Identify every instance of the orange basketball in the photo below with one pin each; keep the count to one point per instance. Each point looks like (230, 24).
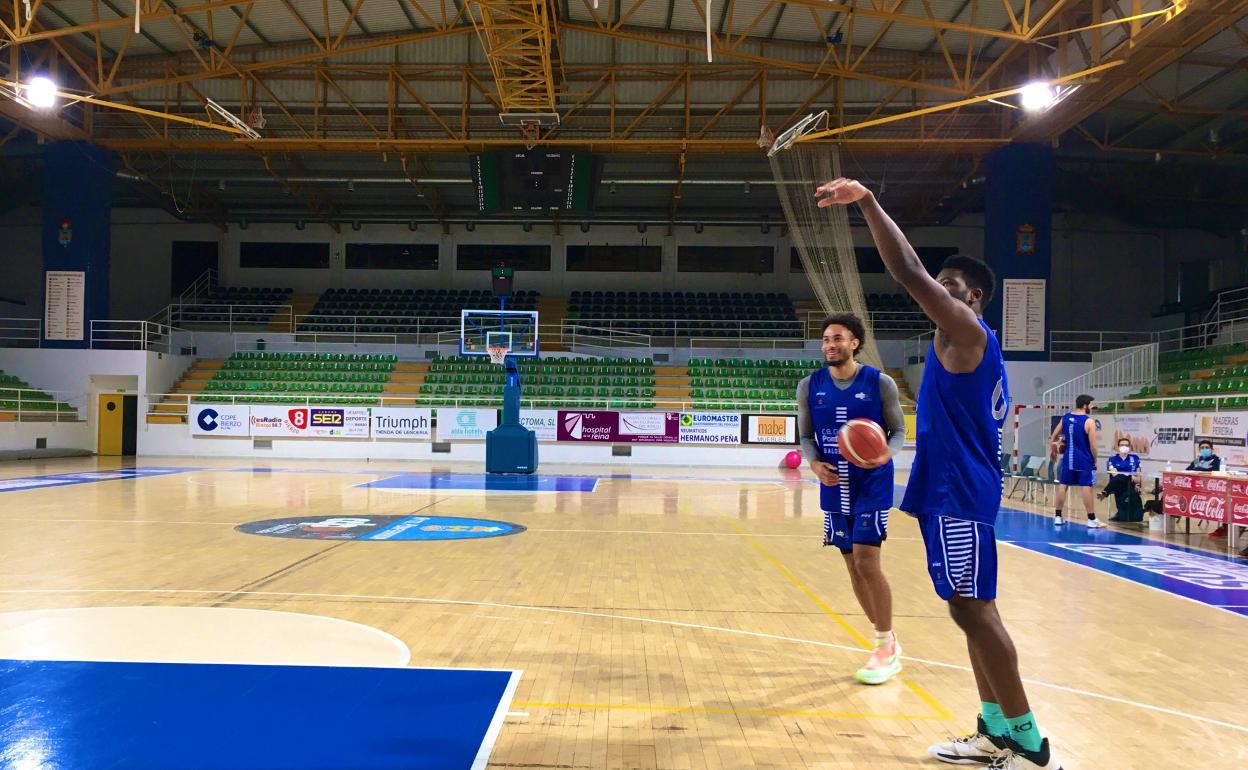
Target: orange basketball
(863, 443)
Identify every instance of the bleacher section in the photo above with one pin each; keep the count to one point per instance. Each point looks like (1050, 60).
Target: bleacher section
(1215, 377)
(400, 311)
(742, 384)
(895, 312)
(687, 313)
(616, 383)
(237, 305)
(318, 378)
(19, 398)
(585, 383)
(732, 383)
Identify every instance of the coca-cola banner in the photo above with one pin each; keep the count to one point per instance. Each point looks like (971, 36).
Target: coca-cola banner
(1199, 496)
(1229, 433)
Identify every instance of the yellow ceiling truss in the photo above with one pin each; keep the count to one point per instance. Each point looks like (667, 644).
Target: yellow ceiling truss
(963, 69)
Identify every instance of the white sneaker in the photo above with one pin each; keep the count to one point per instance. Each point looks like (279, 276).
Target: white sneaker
(1015, 757)
(1095, 524)
(978, 748)
(1058, 521)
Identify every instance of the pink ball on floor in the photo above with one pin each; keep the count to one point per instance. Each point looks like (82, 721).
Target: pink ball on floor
(793, 460)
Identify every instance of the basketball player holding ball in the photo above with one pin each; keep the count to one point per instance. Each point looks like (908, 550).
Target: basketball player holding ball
(955, 482)
(856, 497)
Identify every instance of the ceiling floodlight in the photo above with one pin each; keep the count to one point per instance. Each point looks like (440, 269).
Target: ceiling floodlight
(1037, 96)
(40, 92)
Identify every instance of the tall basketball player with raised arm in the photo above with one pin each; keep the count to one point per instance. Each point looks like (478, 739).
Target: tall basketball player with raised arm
(955, 481)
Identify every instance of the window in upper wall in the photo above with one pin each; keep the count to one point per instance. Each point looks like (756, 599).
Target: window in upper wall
(725, 259)
(309, 256)
(392, 256)
(615, 259)
(484, 256)
(869, 259)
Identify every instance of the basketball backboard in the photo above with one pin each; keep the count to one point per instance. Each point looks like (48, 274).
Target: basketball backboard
(481, 329)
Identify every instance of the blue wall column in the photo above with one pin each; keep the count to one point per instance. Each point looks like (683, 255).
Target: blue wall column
(77, 210)
(1018, 228)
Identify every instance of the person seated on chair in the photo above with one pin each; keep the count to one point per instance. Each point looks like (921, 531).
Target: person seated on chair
(1206, 460)
(1124, 483)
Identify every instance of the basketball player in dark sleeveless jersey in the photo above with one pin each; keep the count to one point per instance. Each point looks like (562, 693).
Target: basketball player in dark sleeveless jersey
(855, 501)
(955, 481)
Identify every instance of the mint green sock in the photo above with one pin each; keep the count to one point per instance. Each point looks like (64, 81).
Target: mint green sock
(994, 719)
(1025, 731)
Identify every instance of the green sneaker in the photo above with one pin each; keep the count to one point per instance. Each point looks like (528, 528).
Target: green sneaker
(884, 664)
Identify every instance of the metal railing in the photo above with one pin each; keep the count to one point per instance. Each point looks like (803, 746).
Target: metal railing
(579, 338)
(746, 343)
(1086, 345)
(131, 335)
(34, 405)
(1230, 306)
(227, 317)
(891, 321)
(672, 328)
(358, 325)
(914, 351)
(21, 332)
(200, 287)
(316, 342)
(178, 403)
(1132, 367)
(1221, 402)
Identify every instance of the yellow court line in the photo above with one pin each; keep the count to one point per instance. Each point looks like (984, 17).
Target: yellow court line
(713, 710)
(924, 695)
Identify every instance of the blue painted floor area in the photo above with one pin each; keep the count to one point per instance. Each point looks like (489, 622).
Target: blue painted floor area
(86, 477)
(485, 482)
(1208, 578)
(59, 715)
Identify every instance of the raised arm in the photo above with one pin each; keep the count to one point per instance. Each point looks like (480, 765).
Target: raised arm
(952, 316)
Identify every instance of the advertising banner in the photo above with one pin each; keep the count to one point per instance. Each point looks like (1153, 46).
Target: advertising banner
(403, 423)
(1202, 496)
(543, 422)
(710, 428)
(466, 424)
(1166, 437)
(770, 429)
(310, 421)
(1229, 433)
(621, 427)
(220, 420)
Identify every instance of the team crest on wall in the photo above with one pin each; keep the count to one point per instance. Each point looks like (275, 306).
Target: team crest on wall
(1025, 240)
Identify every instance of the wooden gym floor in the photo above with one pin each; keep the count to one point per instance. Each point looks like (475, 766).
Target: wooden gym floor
(672, 618)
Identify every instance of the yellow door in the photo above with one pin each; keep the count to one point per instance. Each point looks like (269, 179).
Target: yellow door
(110, 424)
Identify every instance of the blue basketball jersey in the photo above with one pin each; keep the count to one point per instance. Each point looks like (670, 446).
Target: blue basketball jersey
(1078, 451)
(861, 490)
(957, 457)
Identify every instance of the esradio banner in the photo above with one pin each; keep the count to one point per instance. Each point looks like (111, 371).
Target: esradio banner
(310, 421)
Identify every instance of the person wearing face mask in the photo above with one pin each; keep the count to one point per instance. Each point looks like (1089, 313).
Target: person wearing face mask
(1124, 483)
(1208, 462)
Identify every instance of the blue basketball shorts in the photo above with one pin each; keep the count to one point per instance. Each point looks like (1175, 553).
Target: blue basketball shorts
(845, 530)
(1076, 478)
(961, 557)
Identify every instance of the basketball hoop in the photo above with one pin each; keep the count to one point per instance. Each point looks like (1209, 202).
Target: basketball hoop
(498, 353)
(531, 131)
